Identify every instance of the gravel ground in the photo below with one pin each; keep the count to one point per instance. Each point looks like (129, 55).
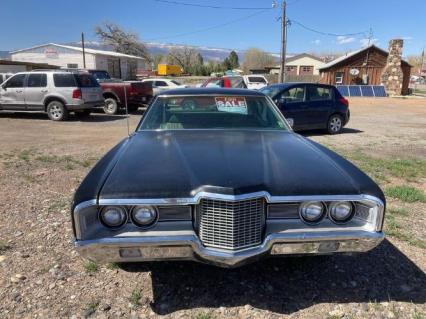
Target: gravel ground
(41, 276)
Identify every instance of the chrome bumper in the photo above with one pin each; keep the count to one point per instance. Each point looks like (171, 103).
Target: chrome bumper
(188, 247)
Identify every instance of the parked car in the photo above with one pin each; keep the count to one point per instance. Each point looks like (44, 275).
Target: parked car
(225, 182)
(255, 81)
(310, 106)
(55, 92)
(160, 84)
(115, 92)
(225, 82)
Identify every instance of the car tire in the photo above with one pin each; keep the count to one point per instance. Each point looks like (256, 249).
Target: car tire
(83, 114)
(335, 124)
(111, 106)
(56, 111)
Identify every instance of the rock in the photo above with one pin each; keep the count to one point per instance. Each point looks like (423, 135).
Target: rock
(105, 307)
(18, 233)
(2, 258)
(88, 312)
(20, 277)
(52, 286)
(14, 280)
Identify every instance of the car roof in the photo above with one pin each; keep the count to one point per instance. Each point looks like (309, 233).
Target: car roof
(290, 84)
(211, 91)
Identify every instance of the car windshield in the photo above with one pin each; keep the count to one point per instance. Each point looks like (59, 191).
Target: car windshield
(212, 112)
(270, 91)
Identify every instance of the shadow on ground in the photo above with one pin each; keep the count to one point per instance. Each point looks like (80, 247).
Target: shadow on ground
(324, 132)
(95, 117)
(286, 285)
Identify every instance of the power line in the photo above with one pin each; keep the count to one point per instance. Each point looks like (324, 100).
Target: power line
(212, 7)
(328, 33)
(209, 28)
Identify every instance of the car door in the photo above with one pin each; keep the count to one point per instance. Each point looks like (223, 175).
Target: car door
(291, 102)
(320, 101)
(35, 91)
(12, 93)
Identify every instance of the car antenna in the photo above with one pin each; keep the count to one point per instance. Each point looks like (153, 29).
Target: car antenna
(127, 110)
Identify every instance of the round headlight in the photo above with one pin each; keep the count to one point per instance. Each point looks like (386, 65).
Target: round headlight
(113, 216)
(312, 212)
(341, 212)
(144, 216)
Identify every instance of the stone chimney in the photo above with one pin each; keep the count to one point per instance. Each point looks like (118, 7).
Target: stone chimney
(392, 75)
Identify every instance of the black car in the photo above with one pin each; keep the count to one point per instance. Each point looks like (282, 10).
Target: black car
(310, 106)
(218, 176)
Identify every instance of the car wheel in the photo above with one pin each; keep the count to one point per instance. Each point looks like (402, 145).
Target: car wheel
(111, 106)
(57, 111)
(335, 124)
(83, 114)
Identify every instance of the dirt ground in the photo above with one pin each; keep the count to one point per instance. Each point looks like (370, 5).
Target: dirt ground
(41, 276)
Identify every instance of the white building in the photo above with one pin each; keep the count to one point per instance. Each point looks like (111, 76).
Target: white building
(119, 65)
(300, 64)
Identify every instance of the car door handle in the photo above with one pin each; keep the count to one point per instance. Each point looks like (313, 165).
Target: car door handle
(18, 91)
(44, 91)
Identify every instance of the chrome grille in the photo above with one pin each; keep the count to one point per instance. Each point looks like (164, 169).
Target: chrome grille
(231, 224)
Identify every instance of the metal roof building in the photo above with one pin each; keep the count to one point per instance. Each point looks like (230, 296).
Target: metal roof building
(119, 65)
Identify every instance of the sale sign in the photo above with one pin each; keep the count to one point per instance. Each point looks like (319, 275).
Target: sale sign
(231, 104)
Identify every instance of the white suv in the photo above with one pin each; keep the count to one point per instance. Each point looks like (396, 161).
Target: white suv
(255, 82)
(161, 84)
(56, 92)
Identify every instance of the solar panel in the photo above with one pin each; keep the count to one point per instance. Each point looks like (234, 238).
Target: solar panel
(379, 91)
(343, 90)
(367, 90)
(354, 90)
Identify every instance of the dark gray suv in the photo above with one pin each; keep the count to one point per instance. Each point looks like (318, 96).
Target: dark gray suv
(55, 92)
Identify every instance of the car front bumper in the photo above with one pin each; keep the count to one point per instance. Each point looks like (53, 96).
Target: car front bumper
(187, 246)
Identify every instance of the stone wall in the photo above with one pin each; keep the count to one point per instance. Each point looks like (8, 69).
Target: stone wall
(392, 76)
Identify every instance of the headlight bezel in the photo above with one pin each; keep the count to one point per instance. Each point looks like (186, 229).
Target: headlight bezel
(337, 221)
(123, 222)
(318, 220)
(141, 225)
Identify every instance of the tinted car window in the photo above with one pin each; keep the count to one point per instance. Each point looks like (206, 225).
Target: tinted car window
(317, 93)
(212, 112)
(37, 80)
(175, 82)
(16, 81)
(257, 79)
(160, 83)
(64, 80)
(86, 81)
(101, 75)
(293, 95)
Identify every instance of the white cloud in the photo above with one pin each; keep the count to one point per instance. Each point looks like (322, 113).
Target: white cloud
(344, 39)
(407, 38)
(366, 42)
(316, 42)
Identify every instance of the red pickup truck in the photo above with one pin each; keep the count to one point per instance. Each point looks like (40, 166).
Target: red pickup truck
(115, 92)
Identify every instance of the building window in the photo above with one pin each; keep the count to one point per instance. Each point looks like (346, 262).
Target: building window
(72, 66)
(291, 69)
(339, 77)
(306, 70)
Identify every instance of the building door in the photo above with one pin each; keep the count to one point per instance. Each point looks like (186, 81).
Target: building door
(114, 67)
(12, 93)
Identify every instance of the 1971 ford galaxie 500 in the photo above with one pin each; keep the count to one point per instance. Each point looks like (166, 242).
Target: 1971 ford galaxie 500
(218, 176)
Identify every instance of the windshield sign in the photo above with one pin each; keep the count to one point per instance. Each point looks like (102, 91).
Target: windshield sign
(232, 104)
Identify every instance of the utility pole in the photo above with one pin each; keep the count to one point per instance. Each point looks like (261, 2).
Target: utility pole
(84, 53)
(283, 41)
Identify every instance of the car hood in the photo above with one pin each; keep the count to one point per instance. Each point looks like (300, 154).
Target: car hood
(178, 164)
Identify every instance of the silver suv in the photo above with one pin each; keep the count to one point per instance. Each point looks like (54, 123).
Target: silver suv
(56, 92)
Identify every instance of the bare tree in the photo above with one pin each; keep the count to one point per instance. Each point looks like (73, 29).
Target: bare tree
(122, 41)
(257, 59)
(185, 57)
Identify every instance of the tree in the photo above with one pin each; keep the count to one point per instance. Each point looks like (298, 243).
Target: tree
(233, 60)
(122, 41)
(257, 59)
(185, 57)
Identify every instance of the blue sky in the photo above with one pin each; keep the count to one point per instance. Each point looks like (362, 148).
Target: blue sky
(26, 23)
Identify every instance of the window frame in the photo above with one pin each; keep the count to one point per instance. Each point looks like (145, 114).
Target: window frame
(41, 82)
(341, 77)
(281, 97)
(16, 87)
